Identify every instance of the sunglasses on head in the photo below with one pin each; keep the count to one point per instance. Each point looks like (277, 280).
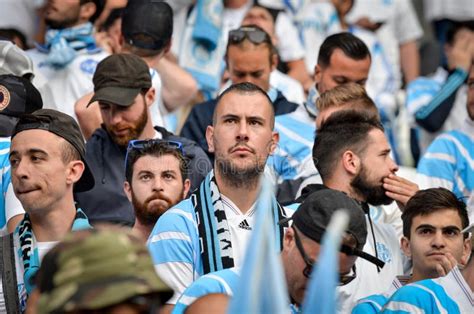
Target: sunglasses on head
(253, 34)
(343, 279)
(142, 144)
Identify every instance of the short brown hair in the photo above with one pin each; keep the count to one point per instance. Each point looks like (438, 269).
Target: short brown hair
(426, 202)
(351, 94)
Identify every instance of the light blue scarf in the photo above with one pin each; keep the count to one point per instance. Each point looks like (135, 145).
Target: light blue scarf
(201, 52)
(62, 45)
(28, 252)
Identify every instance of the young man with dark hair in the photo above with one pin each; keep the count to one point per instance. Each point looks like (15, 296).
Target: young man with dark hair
(211, 229)
(65, 64)
(432, 223)
(453, 293)
(250, 57)
(156, 178)
(352, 155)
(47, 158)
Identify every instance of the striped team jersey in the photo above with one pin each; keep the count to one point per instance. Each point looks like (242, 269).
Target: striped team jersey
(449, 163)
(375, 303)
(425, 95)
(450, 294)
(225, 281)
(9, 205)
(175, 245)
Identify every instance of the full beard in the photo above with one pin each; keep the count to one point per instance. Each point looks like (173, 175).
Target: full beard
(374, 194)
(133, 133)
(149, 216)
(240, 177)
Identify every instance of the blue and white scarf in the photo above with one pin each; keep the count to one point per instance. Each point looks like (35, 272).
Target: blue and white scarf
(62, 44)
(214, 232)
(28, 252)
(201, 52)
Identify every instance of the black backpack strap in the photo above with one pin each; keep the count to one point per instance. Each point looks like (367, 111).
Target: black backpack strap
(8, 270)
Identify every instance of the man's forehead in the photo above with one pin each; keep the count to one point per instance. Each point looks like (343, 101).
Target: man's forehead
(157, 163)
(243, 105)
(30, 138)
(342, 63)
(450, 217)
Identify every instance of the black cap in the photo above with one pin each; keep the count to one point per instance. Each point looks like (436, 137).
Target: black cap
(119, 78)
(147, 24)
(314, 214)
(17, 96)
(63, 126)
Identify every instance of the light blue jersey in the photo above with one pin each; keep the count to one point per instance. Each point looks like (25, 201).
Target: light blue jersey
(5, 178)
(10, 206)
(449, 163)
(225, 281)
(375, 302)
(450, 294)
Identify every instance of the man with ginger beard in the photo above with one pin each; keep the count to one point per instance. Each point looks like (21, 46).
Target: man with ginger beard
(122, 86)
(156, 179)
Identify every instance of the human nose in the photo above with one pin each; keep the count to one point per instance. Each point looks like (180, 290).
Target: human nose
(157, 185)
(242, 132)
(438, 240)
(20, 169)
(393, 165)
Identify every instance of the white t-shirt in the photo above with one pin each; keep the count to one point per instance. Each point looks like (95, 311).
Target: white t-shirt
(43, 248)
(369, 281)
(61, 88)
(401, 25)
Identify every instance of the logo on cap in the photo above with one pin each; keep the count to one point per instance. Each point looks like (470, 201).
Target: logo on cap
(4, 97)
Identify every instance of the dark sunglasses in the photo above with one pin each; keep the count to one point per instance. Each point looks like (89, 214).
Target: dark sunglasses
(253, 34)
(142, 144)
(343, 279)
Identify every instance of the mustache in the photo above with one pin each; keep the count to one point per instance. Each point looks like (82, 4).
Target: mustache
(241, 145)
(157, 195)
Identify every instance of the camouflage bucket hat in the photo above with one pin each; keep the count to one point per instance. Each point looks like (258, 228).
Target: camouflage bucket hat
(95, 269)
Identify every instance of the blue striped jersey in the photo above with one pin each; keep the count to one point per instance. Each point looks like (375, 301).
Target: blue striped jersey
(175, 245)
(449, 163)
(10, 206)
(374, 303)
(224, 281)
(5, 177)
(427, 94)
(450, 294)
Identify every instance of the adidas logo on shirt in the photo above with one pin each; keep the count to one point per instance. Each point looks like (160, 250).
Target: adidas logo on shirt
(245, 225)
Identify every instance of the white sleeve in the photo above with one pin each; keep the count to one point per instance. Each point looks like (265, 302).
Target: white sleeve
(13, 206)
(289, 44)
(406, 26)
(177, 276)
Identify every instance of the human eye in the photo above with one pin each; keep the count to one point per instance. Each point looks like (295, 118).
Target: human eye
(451, 232)
(14, 161)
(168, 176)
(425, 231)
(145, 177)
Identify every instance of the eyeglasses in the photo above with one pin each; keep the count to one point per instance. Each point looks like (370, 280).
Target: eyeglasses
(343, 279)
(253, 34)
(142, 144)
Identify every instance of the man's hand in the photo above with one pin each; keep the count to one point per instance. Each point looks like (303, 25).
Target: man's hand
(446, 264)
(460, 54)
(399, 189)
